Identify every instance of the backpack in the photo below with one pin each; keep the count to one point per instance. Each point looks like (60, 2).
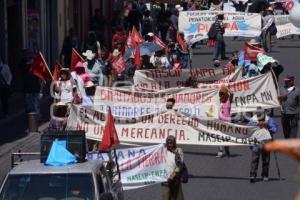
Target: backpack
(272, 29)
(212, 33)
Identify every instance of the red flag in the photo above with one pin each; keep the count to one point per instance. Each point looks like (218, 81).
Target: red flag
(181, 42)
(137, 56)
(252, 51)
(75, 58)
(40, 68)
(136, 36)
(129, 42)
(118, 63)
(158, 41)
(110, 136)
(56, 70)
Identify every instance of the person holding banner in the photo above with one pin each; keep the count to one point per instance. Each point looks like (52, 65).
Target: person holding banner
(172, 190)
(267, 128)
(290, 101)
(225, 96)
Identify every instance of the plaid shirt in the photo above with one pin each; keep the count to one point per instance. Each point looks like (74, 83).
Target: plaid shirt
(57, 124)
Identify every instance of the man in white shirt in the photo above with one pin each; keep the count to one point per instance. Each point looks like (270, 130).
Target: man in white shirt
(5, 82)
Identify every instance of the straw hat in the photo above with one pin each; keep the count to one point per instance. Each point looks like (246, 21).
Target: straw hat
(89, 55)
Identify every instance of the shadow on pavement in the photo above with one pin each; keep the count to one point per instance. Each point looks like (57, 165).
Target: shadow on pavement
(15, 128)
(209, 154)
(232, 178)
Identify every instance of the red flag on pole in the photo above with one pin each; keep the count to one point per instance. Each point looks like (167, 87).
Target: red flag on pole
(118, 63)
(136, 36)
(110, 136)
(75, 58)
(158, 41)
(181, 42)
(40, 68)
(252, 51)
(137, 56)
(56, 70)
(129, 42)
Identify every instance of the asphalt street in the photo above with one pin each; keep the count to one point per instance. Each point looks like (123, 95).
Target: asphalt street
(211, 178)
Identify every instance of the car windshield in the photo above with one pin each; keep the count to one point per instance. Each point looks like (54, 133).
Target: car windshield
(48, 186)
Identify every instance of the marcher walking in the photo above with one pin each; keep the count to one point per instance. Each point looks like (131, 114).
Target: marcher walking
(268, 21)
(70, 42)
(225, 114)
(220, 43)
(290, 101)
(267, 127)
(172, 190)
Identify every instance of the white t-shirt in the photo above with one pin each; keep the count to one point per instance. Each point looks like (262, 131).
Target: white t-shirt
(66, 94)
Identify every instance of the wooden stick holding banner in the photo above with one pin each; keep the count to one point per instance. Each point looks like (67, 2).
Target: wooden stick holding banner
(46, 65)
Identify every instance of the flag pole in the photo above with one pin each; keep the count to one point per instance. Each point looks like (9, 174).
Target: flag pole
(74, 50)
(46, 65)
(116, 160)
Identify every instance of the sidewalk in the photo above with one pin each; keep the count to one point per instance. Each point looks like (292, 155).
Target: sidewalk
(16, 107)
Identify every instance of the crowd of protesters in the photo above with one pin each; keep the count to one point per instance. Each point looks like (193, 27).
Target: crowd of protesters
(77, 84)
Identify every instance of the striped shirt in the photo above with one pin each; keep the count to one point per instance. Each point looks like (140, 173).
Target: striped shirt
(219, 25)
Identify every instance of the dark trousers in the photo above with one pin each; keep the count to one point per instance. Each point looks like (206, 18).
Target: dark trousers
(4, 93)
(255, 161)
(163, 32)
(290, 125)
(220, 47)
(266, 36)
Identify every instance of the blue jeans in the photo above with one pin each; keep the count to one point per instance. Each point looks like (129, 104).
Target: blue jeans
(220, 47)
(32, 102)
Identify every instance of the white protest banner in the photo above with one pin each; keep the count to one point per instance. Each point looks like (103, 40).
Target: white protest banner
(285, 27)
(262, 60)
(139, 167)
(158, 79)
(155, 128)
(203, 101)
(195, 24)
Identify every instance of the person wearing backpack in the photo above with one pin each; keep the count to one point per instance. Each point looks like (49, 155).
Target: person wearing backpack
(268, 29)
(5, 81)
(219, 32)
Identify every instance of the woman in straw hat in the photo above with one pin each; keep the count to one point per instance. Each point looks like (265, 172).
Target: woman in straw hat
(65, 86)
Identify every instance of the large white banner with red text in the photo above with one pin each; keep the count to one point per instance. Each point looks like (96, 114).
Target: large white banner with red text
(195, 24)
(158, 79)
(203, 101)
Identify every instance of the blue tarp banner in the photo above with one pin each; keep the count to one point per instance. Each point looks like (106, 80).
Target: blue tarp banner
(59, 155)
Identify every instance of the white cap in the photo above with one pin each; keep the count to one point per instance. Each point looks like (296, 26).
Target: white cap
(150, 34)
(89, 55)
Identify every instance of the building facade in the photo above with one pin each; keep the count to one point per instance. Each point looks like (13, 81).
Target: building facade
(42, 25)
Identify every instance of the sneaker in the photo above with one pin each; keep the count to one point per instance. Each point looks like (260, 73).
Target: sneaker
(220, 154)
(265, 179)
(252, 179)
